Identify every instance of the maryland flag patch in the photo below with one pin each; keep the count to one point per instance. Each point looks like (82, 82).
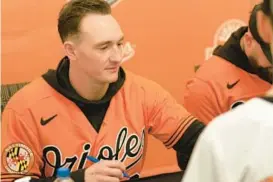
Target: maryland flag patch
(18, 158)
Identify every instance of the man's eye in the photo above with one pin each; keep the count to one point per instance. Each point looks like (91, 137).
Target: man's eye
(120, 44)
(103, 48)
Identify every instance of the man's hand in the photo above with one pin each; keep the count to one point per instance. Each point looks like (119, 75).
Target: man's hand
(105, 171)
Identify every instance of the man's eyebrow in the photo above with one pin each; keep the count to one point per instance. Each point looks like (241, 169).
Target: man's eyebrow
(108, 42)
(103, 43)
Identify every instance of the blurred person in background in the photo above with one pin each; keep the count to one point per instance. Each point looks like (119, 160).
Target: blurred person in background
(238, 71)
(237, 146)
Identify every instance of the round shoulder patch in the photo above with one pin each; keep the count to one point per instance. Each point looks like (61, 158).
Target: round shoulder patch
(17, 158)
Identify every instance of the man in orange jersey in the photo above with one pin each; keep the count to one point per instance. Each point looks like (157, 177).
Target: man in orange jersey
(237, 146)
(238, 71)
(90, 106)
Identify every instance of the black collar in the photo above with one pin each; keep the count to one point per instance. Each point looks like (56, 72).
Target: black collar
(232, 52)
(59, 80)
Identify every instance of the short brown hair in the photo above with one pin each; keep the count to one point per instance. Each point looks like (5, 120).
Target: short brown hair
(74, 11)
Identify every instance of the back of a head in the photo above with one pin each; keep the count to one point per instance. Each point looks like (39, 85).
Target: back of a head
(74, 11)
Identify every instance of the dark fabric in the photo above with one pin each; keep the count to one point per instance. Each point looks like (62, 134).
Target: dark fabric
(8, 90)
(255, 33)
(269, 99)
(232, 51)
(185, 145)
(75, 175)
(170, 177)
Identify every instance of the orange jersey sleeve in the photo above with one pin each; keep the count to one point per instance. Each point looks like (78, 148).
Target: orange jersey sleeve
(201, 101)
(167, 119)
(20, 149)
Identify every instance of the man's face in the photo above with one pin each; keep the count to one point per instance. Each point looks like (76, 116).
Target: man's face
(256, 57)
(99, 50)
(254, 50)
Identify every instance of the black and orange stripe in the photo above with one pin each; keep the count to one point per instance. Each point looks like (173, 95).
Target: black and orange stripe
(179, 131)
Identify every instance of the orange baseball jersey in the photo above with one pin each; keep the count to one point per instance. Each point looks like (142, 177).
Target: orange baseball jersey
(42, 130)
(223, 82)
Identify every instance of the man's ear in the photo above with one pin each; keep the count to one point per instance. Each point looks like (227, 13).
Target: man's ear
(264, 27)
(248, 39)
(69, 48)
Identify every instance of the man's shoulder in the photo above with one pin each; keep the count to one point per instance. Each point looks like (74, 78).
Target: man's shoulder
(136, 81)
(217, 69)
(32, 92)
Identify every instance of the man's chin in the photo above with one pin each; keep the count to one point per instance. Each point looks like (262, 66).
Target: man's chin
(112, 78)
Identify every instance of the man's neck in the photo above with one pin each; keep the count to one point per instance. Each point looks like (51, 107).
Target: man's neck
(85, 87)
